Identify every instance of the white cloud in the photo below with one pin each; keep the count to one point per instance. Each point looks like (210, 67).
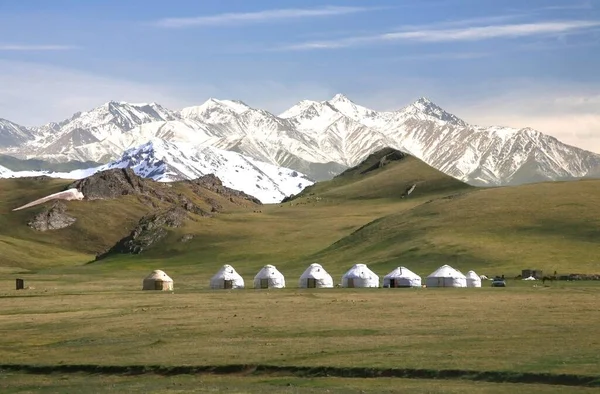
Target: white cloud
(34, 48)
(258, 16)
(473, 33)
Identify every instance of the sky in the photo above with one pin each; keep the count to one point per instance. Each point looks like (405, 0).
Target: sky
(512, 63)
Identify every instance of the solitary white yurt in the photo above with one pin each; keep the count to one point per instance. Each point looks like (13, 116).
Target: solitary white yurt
(446, 276)
(157, 280)
(473, 280)
(227, 278)
(360, 276)
(315, 276)
(402, 277)
(269, 278)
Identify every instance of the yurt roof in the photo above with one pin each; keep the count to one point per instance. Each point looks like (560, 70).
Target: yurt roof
(357, 270)
(472, 275)
(159, 275)
(226, 271)
(445, 271)
(402, 272)
(314, 270)
(268, 271)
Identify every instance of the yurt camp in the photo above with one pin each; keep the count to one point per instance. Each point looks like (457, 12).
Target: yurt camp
(446, 276)
(227, 278)
(157, 280)
(269, 278)
(473, 280)
(360, 276)
(315, 276)
(402, 277)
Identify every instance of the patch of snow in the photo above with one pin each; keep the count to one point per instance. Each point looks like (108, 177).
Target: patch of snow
(164, 161)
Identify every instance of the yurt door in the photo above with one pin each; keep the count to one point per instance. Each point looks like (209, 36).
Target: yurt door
(311, 283)
(350, 282)
(158, 285)
(393, 282)
(264, 283)
(228, 284)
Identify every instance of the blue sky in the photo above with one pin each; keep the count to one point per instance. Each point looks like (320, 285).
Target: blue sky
(505, 62)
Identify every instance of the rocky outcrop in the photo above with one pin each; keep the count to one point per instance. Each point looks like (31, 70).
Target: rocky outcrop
(53, 218)
(120, 182)
(112, 184)
(149, 230)
(389, 155)
(214, 184)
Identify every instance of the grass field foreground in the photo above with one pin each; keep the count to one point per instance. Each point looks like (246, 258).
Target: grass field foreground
(553, 330)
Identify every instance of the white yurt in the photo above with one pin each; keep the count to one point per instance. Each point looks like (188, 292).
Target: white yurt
(473, 280)
(315, 276)
(269, 278)
(360, 276)
(227, 278)
(402, 277)
(157, 280)
(446, 276)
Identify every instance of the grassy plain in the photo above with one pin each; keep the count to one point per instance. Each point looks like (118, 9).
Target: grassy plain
(519, 329)
(93, 313)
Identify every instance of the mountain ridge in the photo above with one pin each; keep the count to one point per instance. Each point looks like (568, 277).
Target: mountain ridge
(318, 138)
(169, 162)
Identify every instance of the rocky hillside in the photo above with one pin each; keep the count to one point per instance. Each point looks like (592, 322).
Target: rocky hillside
(131, 213)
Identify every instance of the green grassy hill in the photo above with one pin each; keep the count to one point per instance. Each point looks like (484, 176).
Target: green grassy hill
(386, 174)
(359, 216)
(551, 226)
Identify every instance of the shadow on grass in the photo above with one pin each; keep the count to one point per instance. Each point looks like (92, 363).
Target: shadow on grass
(313, 372)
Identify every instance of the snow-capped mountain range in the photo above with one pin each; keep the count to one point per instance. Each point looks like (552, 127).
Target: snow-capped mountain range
(317, 138)
(165, 161)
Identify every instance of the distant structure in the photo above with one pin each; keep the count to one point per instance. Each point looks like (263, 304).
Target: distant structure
(227, 278)
(360, 276)
(315, 276)
(402, 277)
(269, 278)
(158, 280)
(446, 276)
(71, 194)
(473, 280)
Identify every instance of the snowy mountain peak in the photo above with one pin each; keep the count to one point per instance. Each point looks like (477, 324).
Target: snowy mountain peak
(298, 109)
(213, 109)
(424, 101)
(235, 105)
(425, 109)
(340, 98)
(11, 134)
